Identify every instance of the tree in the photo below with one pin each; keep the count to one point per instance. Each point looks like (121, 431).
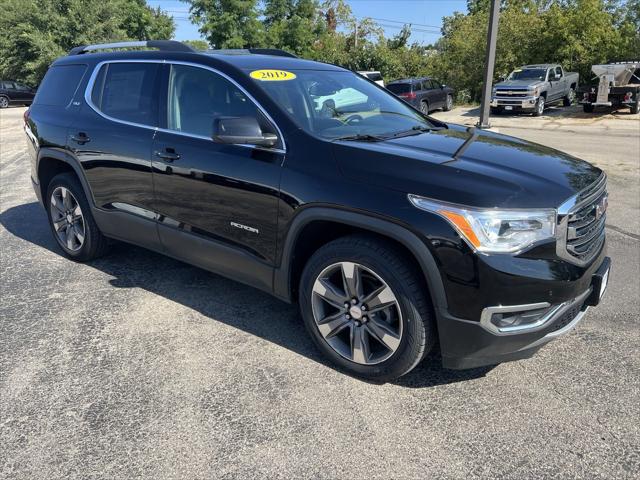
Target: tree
(228, 23)
(34, 32)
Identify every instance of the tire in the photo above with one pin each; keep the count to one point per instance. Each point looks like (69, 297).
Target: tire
(424, 107)
(75, 231)
(587, 108)
(539, 110)
(635, 109)
(4, 102)
(448, 104)
(407, 319)
(569, 98)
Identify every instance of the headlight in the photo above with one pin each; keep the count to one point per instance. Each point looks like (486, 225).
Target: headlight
(494, 230)
(493, 91)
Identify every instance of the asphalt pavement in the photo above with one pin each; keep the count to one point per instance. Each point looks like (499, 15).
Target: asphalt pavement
(139, 366)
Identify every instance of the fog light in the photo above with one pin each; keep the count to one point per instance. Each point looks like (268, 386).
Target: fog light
(517, 319)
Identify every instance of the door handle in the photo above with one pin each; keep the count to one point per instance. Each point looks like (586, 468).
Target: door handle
(81, 138)
(168, 155)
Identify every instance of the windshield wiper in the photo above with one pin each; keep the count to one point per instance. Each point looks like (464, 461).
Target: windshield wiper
(415, 130)
(361, 137)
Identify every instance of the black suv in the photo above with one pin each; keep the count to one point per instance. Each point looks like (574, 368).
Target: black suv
(423, 93)
(393, 231)
(14, 93)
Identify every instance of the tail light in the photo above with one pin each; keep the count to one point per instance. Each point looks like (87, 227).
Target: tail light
(408, 95)
(627, 96)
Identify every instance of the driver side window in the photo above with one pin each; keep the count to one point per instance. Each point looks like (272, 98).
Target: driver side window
(197, 97)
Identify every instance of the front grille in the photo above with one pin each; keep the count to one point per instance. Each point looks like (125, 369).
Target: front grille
(586, 222)
(511, 93)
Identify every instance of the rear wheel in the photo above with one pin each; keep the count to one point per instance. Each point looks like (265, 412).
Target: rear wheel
(365, 307)
(539, 107)
(4, 102)
(424, 107)
(569, 98)
(448, 105)
(71, 221)
(587, 107)
(635, 109)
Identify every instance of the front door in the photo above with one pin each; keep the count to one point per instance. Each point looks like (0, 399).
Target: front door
(217, 203)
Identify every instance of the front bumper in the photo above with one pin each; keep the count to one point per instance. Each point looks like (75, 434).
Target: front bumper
(470, 344)
(518, 103)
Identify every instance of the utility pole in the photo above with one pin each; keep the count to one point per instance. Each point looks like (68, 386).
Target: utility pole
(489, 63)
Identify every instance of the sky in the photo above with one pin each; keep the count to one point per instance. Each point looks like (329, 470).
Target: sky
(424, 15)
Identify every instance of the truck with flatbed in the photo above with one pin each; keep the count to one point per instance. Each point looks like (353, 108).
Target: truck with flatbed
(532, 87)
(618, 85)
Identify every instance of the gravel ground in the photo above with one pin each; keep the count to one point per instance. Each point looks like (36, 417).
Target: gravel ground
(137, 365)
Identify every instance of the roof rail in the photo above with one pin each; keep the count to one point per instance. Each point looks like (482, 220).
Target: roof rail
(254, 51)
(163, 45)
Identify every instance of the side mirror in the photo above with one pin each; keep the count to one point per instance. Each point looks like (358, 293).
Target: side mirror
(557, 76)
(241, 130)
(443, 86)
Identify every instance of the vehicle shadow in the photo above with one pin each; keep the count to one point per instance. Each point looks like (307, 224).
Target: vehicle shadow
(215, 297)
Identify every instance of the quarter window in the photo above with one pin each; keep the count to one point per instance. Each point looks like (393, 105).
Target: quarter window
(128, 92)
(59, 85)
(197, 96)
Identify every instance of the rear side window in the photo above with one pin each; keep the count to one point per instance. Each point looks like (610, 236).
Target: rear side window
(399, 87)
(128, 92)
(59, 85)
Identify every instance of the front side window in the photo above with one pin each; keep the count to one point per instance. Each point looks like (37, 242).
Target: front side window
(341, 104)
(127, 91)
(197, 97)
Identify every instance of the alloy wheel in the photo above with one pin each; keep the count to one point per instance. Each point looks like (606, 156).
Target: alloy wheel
(4, 103)
(357, 313)
(68, 221)
(424, 108)
(540, 105)
(449, 102)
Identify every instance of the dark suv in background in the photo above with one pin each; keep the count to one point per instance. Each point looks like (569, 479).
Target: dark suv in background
(392, 230)
(425, 94)
(14, 93)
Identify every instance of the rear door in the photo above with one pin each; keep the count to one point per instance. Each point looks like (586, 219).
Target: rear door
(217, 202)
(112, 139)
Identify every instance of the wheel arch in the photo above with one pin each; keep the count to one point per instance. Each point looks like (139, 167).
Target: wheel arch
(323, 224)
(52, 162)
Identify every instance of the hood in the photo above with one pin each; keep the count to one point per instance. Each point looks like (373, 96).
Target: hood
(518, 83)
(469, 167)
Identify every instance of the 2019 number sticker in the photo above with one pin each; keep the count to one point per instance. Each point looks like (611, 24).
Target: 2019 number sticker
(272, 75)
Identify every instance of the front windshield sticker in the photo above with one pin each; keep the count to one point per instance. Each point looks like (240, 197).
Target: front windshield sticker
(272, 75)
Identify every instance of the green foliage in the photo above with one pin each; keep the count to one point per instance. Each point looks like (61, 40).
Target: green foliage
(228, 23)
(574, 33)
(35, 32)
(197, 44)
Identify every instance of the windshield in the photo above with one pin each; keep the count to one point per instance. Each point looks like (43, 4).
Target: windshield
(529, 74)
(334, 105)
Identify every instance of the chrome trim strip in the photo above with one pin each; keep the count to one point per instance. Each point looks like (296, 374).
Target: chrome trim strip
(103, 46)
(549, 317)
(558, 333)
(96, 70)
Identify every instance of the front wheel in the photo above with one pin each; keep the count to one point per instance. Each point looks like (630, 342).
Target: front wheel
(366, 308)
(539, 107)
(71, 221)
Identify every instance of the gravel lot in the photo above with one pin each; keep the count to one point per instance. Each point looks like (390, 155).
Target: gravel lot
(137, 365)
